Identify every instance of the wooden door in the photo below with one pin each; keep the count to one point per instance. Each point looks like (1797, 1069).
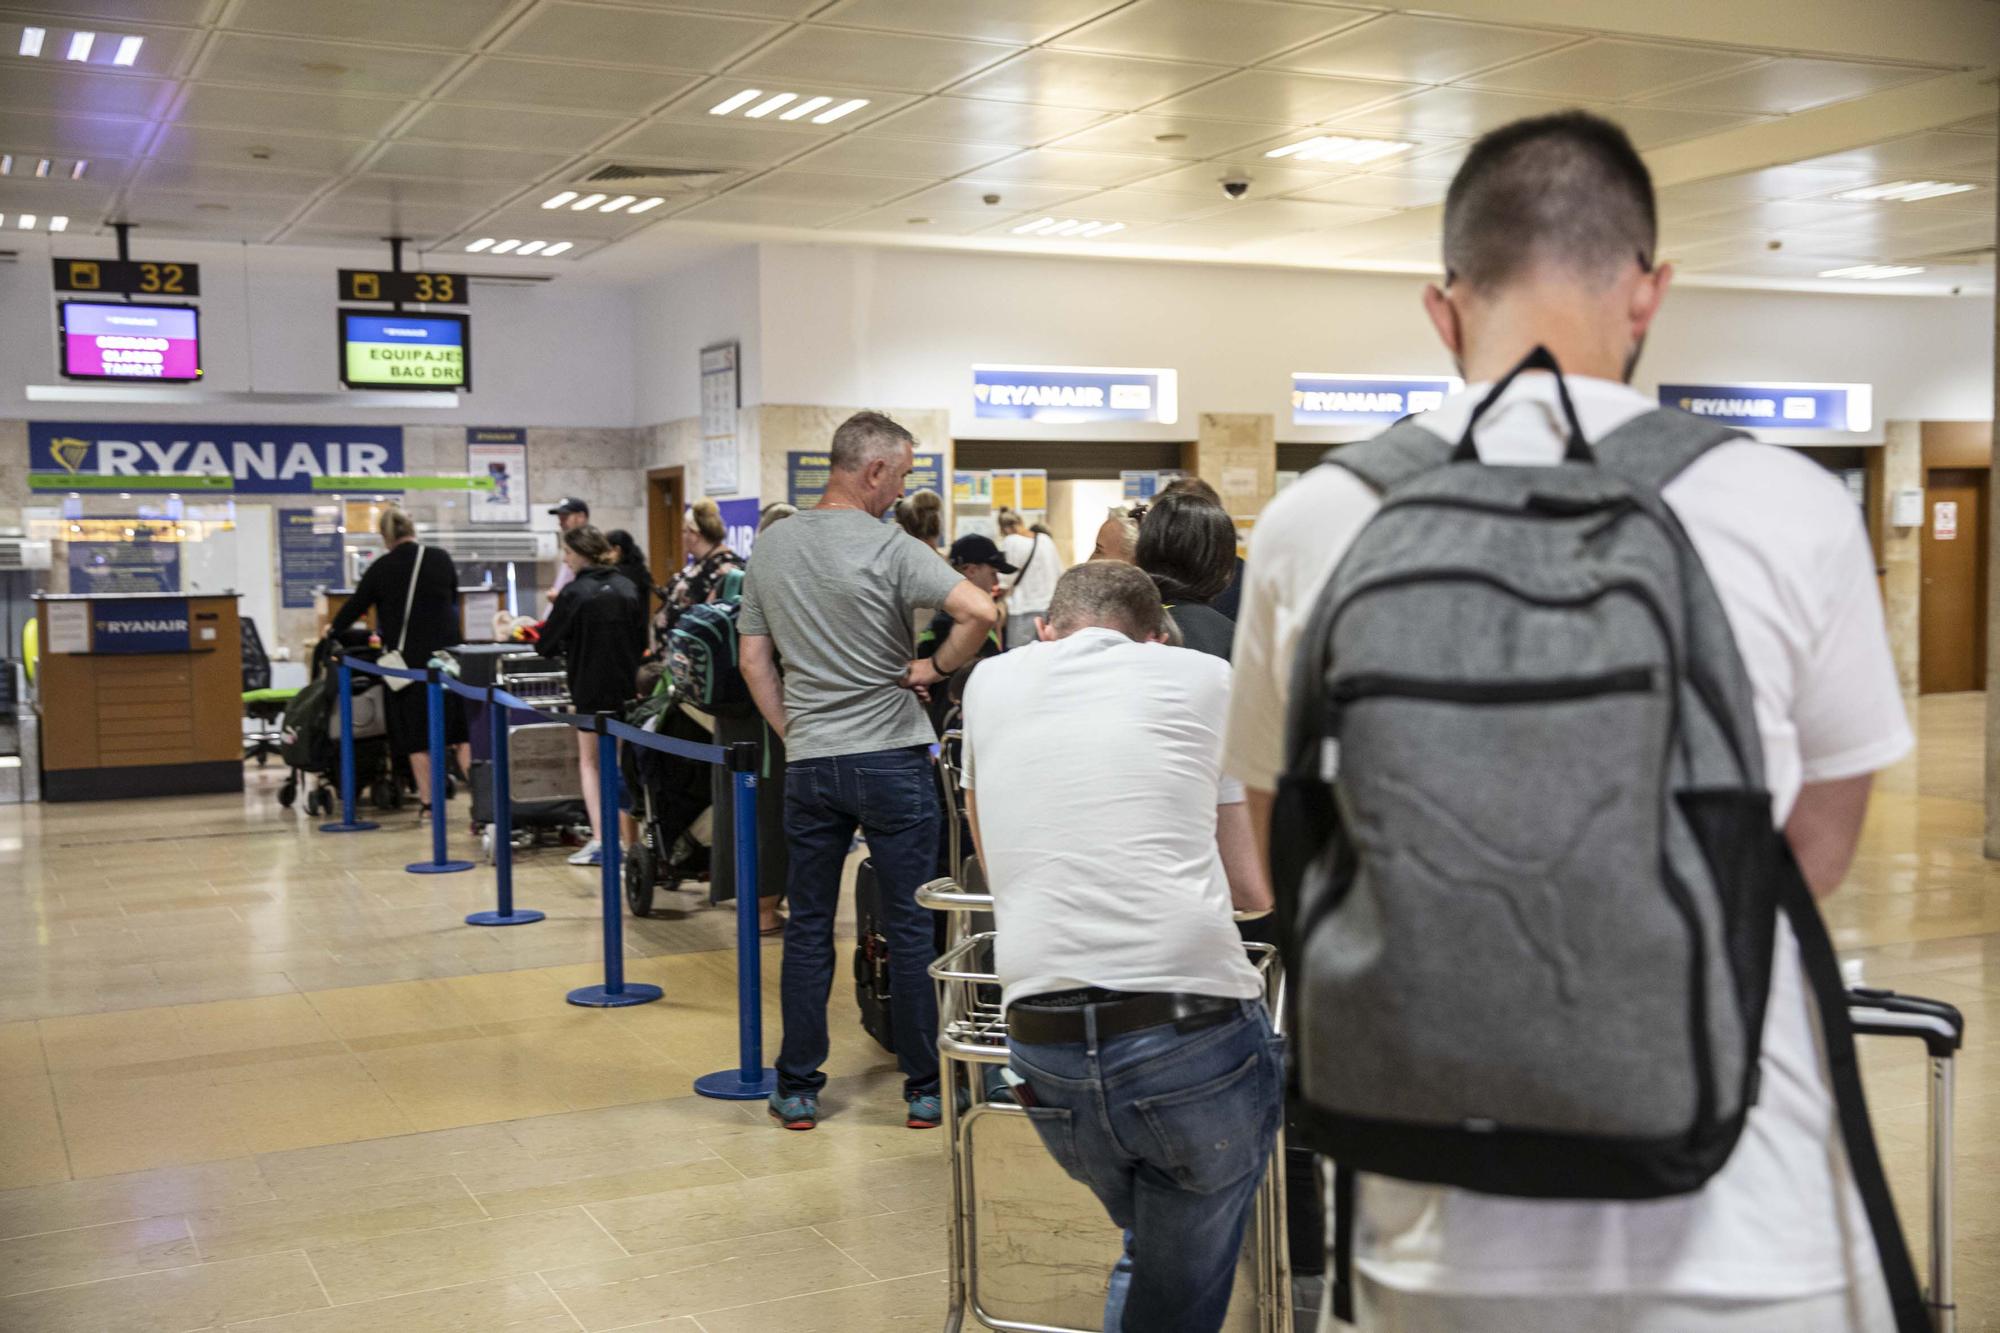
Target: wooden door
(1952, 618)
(666, 505)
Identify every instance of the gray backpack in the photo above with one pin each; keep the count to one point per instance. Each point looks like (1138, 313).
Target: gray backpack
(1526, 865)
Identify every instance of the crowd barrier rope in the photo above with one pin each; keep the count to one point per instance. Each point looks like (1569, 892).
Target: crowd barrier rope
(751, 1080)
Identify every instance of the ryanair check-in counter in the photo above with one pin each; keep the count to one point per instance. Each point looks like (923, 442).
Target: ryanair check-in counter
(140, 695)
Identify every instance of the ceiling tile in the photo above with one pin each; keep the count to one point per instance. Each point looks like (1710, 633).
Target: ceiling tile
(871, 156)
(75, 91)
(161, 214)
(1095, 171)
(1231, 32)
(665, 40)
(1073, 78)
(1987, 125)
(478, 195)
(695, 107)
(386, 217)
(1427, 162)
(1404, 49)
(226, 107)
(71, 199)
(75, 136)
(968, 196)
(717, 144)
(162, 52)
(221, 182)
(280, 152)
(1267, 179)
(827, 188)
(1378, 191)
(1956, 154)
(449, 122)
(967, 120)
(1781, 87)
(143, 11)
(531, 222)
(544, 83)
(1130, 204)
(764, 212)
(1653, 126)
(1274, 96)
(815, 55)
(1024, 22)
(1196, 139)
(455, 162)
(1611, 71)
(897, 219)
(769, 9)
(328, 67)
(453, 25)
(1456, 111)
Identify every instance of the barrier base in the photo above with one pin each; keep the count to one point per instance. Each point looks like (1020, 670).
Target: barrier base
(358, 826)
(597, 997)
(519, 917)
(438, 867)
(727, 1085)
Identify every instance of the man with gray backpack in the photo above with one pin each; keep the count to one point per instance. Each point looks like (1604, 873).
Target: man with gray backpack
(1559, 710)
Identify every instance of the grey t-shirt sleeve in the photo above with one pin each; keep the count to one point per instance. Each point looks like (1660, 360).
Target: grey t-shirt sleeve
(750, 615)
(922, 574)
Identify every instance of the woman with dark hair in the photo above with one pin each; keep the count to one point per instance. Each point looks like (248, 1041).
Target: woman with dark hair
(1187, 545)
(632, 564)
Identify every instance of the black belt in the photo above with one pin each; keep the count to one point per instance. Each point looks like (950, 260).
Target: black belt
(1037, 1024)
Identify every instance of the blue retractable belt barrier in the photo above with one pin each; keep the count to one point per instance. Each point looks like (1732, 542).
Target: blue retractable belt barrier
(347, 823)
(499, 778)
(615, 993)
(440, 862)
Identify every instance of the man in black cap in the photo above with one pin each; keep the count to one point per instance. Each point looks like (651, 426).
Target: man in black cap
(570, 513)
(976, 557)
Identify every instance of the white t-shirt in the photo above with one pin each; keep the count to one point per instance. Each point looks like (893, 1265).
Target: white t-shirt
(1035, 584)
(1789, 556)
(1098, 764)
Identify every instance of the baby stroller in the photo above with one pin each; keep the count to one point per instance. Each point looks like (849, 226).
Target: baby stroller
(672, 802)
(312, 732)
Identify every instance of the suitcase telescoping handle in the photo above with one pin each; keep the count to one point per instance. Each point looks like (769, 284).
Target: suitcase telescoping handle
(1940, 1026)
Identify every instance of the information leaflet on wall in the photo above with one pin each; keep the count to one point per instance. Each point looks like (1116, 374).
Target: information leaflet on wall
(806, 476)
(1141, 487)
(739, 521)
(308, 554)
(140, 625)
(1065, 394)
(721, 396)
(1023, 489)
(1944, 520)
(69, 627)
(184, 456)
(972, 488)
(139, 564)
(1836, 407)
(499, 454)
(1339, 400)
(927, 475)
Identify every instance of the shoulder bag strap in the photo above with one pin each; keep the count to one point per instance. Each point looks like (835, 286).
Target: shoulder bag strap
(409, 601)
(1655, 447)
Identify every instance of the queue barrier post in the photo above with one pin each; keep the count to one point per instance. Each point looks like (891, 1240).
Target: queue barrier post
(440, 862)
(498, 772)
(347, 823)
(750, 1080)
(616, 992)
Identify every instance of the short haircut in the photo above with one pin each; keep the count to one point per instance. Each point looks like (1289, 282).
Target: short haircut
(705, 517)
(921, 514)
(1188, 545)
(589, 543)
(1566, 190)
(1192, 486)
(395, 526)
(865, 437)
(1106, 593)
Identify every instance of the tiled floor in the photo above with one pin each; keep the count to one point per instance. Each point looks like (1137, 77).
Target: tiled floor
(257, 1078)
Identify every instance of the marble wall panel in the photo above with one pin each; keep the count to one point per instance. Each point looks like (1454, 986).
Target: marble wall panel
(1902, 549)
(1237, 453)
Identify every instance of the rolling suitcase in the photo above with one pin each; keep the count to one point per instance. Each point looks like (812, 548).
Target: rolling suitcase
(871, 958)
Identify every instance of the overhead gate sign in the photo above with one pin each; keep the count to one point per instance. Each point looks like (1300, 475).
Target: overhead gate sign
(245, 460)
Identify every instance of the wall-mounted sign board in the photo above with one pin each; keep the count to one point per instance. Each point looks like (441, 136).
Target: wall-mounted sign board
(1837, 407)
(370, 284)
(1067, 394)
(112, 340)
(128, 277)
(186, 456)
(1336, 400)
(430, 351)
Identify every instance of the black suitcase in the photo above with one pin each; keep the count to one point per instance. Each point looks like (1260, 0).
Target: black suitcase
(871, 958)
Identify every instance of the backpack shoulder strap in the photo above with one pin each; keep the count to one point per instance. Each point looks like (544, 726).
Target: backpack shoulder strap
(1403, 451)
(1655, 447)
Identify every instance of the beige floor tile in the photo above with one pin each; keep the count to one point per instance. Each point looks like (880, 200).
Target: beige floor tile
(201, 1297)
(473, 1082)
(122, 1198)
(279, 1021)
(374, 1011)
(185, 1120)
(910, 1305)
(338, 1218)
(91, 1254)
(307, 1110)
(512, 1187)
(385, 1161)
(100, 1041)
(514, 1304)
(692, 1279)
(420, 1260)
(21, 1050)
(748, 1208)
(840, 1141)
(894, 1244)
(634, 1129)
(31, 1142)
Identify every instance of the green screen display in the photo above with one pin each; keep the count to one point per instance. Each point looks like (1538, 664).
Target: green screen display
(404, 352)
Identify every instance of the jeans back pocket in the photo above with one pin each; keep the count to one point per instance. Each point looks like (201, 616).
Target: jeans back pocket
(1211, 1135)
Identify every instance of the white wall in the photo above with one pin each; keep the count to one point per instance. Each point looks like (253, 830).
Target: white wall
(707, 300)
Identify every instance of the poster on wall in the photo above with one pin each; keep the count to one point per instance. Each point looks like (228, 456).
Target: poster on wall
(806, 476)
(500, 454)
(972, 488)
(186, 456)
(1025, 489)
(137, 564)
(308, 554)
(739, 521)
(927, 475)
(721, 395)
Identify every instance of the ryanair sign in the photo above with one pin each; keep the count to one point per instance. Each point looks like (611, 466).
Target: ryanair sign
(1337, 400)
(1841, 407)
(246, 460)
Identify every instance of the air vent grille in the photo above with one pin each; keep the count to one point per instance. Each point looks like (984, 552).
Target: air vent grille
(479, 544)
(657, 180)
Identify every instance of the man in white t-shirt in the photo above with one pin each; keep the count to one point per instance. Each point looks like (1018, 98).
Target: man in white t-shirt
(1115, 849)
(1549, 237)
(1028, 588)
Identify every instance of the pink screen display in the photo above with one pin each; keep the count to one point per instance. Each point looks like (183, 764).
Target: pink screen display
(130, 342)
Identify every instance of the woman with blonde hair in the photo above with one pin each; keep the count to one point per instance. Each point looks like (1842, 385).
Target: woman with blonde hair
(921, 514)
(708, 559)
(1037, 565)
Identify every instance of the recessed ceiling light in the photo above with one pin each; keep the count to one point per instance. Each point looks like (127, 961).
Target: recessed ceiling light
(557, 248)
(1340, 148)
(505, 246)
(794, 106)
(483, 243)
(27, 222)
(614, 205)
(79, 45)
(6, 164)
(729, 104)
(31, 40)
(531, 247)
(851, 105)
(59, 223)
(1873, 272)
(1036, 227)
(588, 201)
(1904, 192)
(42, 169)
(805, 108)
(647, 205)
(128, 50)
(558, 200)
(769, 104)
(76, 172)
(1075, 228)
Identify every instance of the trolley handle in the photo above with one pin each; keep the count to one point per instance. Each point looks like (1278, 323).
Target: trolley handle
(944, 895)
(1883, 1013)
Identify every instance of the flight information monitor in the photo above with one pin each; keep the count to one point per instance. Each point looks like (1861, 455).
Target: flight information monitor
(104, 340)
(430, 351)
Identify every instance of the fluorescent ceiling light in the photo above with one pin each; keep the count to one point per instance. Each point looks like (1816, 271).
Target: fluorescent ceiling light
(6, 164)
(558, 200)
(76, 172)
(617, 203)
(1873, 272)
(1035, 227)
(588, 201)
(505, 246)
(27, 222)
(128, 50)
(79, 45)
(557, 248)
(31, 40)
(1904, 192)
(531, 247)
(805, 108)
(743, 98)
(1340, 148)
(42, 169)
(483, 243)
(59, 223)
(647, 205)
(851, 105)
(770, 104)
(1101, 229)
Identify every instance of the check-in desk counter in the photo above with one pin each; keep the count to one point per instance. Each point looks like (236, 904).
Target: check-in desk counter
(141, 695)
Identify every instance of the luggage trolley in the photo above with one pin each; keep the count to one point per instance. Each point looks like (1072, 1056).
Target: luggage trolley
(544, 791)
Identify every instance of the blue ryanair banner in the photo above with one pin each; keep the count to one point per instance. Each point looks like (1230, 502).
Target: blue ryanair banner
(1335, 400)
(1842, 407)
(1075, 393)
(180, 456)
(139, 625)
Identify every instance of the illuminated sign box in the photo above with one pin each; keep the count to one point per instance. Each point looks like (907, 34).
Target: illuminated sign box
(1075, 393)
(1343, 400)
(106, 341)
(1841, 407)
(430, 351)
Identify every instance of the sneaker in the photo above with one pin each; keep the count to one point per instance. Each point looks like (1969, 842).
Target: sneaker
(800, 1112)
(590, 854)
(925, 1112)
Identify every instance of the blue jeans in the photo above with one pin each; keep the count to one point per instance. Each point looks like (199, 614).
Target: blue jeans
(1171, 1131)
(892, 797)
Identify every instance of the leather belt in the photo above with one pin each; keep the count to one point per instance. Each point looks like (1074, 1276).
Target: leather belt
(1038, 1025)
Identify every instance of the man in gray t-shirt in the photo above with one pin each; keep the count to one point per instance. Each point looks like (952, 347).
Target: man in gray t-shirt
(831, 593)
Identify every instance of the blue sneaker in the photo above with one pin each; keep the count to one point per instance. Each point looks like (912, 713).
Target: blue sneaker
(800, 1112)
(925, 1111)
